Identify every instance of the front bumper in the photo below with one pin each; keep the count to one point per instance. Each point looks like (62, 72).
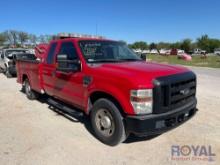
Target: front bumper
(158, 123)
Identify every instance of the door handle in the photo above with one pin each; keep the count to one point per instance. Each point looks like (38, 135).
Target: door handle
(87, 80)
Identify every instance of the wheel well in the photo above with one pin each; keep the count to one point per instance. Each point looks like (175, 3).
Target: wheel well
(24, 77)
(98, 95)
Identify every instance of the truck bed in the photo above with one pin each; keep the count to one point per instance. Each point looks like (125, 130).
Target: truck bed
(29, 67)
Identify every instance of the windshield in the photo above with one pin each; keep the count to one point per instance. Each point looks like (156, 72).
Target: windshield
(106, 51)
(14, 51)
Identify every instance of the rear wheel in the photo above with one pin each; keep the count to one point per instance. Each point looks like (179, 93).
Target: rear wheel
(1, 70)
(107, 122)
(29, 92)
(7, 73)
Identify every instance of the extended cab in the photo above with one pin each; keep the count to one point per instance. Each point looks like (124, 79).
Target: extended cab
(121, 93)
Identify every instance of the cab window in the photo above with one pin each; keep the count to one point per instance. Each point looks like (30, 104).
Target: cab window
(68, 49)
(50, 57)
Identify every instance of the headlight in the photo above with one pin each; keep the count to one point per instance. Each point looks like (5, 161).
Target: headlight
(142, 101)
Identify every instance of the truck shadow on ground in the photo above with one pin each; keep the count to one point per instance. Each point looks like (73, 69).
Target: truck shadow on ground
(86, 121)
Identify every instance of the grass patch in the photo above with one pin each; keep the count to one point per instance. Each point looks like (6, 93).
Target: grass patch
(210, 61)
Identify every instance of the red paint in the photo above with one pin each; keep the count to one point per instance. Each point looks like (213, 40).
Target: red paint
(115, 79)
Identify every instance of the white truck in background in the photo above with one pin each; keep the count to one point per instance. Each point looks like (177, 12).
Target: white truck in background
(7, 60)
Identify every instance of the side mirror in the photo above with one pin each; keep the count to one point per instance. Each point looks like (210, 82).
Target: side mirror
(65, 65)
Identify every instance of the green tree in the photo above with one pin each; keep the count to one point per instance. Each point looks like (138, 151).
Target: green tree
(213, 44)
(152, 46)
(48, 38)
(139, 45)
(163, 45)
(175, 45)
(33, 39)
(41, 39)
(45, 38)
(2, 38)
(203, 42)
(8, 37)
(14, 36)
(208, 44)
(186, 45)
(22, 37)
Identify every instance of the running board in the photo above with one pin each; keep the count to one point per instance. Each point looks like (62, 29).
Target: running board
(65, 108)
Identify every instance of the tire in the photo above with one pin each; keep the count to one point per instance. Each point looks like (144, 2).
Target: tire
(31, 95)
(107, 122)
(7, 73)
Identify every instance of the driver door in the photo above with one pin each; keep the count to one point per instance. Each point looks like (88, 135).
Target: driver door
(69, 85)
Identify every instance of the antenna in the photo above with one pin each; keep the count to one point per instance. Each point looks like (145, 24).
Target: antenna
(96, 29)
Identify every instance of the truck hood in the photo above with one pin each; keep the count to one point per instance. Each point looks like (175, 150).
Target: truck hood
(139, 72)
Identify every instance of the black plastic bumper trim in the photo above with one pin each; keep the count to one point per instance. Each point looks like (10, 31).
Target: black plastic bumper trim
(159, 123)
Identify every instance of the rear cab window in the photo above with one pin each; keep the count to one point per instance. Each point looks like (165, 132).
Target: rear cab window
(50, 57)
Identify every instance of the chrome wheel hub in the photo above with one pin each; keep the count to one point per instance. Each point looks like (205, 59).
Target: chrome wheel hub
(104, 122)
(27, 88)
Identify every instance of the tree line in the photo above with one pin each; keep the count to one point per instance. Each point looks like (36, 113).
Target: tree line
(203, 42)
(19, 38)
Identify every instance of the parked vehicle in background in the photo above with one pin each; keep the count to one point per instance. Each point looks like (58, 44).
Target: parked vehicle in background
(199, 51)
(138, 51)
(145, 51)
(121, 93)
(7, 60)
(154, 51)
(185, 56)
(141, 53)
(217, 51)
(164, 51)
(176, 51)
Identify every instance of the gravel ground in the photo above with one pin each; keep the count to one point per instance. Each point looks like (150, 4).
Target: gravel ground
(31, 133)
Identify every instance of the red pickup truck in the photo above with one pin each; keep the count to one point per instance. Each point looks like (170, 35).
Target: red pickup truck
(121, 93)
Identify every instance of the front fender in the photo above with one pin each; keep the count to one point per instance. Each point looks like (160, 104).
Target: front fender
(122, 96)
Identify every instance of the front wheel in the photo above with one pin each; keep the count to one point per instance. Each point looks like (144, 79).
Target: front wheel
(107, 122)
(32, 95)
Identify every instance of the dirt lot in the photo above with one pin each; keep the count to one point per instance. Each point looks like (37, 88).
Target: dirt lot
(31, 133)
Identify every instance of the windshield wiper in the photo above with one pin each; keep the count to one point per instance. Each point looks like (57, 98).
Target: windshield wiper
(112, 60)
(130, 59)
(103, 60)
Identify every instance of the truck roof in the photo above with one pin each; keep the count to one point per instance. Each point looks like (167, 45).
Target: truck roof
(82, 39)
(78, 37)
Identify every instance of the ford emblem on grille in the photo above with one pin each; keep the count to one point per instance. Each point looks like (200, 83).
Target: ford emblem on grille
(185, 91)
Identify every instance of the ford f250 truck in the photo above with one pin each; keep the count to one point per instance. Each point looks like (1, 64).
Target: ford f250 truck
(121, 93)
